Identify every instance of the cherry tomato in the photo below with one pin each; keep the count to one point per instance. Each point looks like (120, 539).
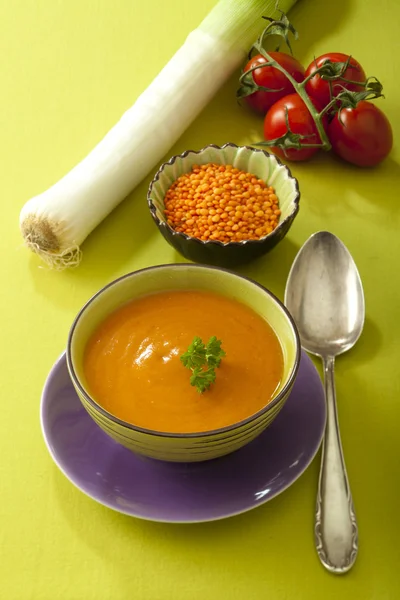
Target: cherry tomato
(318, 88)
(300, 121)
(272, 78)
(361, 135)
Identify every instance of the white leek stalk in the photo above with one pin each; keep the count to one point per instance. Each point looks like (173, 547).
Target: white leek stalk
(55, 223)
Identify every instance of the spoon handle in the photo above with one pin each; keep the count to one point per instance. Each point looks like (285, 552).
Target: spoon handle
(336, 531)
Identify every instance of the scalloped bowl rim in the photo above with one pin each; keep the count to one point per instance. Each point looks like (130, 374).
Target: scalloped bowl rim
(153, 209)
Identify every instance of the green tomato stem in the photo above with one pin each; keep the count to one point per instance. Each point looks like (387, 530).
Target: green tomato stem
(300, 89)
(307, 79)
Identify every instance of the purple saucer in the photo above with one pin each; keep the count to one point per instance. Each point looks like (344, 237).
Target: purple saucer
(190, 492)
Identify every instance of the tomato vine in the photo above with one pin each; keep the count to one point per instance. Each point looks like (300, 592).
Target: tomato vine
(332, 72)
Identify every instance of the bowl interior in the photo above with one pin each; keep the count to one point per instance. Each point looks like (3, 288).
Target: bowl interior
(265, 166)
(181, 277)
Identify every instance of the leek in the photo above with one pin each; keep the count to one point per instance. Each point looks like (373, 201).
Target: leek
(55, 223)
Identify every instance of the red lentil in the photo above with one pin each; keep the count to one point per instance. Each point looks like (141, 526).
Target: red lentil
(220, 202)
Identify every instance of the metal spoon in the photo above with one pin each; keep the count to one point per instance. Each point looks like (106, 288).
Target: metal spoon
(325, 297)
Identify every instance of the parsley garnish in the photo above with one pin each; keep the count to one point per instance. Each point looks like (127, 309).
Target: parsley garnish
(202, 359)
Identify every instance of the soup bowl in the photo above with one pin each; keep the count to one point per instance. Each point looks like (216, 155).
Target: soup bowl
(183, 447)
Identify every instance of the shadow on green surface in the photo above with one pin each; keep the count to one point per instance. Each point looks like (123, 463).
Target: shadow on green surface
(125, 232)
(270, 270)
(316, 20)
(273, 269)
(365, 193)
(368, 346)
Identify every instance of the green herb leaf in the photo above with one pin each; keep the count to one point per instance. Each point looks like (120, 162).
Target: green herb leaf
(214, 352)
(202, 379)
(195, 356)
(202, 360)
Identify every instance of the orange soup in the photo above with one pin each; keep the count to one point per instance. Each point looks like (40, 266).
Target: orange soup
(133, 368)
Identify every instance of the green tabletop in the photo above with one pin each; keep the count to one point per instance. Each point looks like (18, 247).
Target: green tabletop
(68, 71)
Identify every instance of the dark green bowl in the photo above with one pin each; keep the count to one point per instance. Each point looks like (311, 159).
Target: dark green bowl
(266, 166)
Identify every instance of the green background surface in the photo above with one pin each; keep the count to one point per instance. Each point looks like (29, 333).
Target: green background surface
(68, 71)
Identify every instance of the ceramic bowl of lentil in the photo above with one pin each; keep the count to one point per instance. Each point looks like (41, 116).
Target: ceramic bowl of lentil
(223, 205)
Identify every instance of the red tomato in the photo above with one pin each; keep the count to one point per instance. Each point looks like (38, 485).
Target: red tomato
(272, 78)
(318, 88)
(362, 135)
(300, 121)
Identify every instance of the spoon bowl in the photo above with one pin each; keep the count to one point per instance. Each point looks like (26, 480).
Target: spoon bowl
(325, 296)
